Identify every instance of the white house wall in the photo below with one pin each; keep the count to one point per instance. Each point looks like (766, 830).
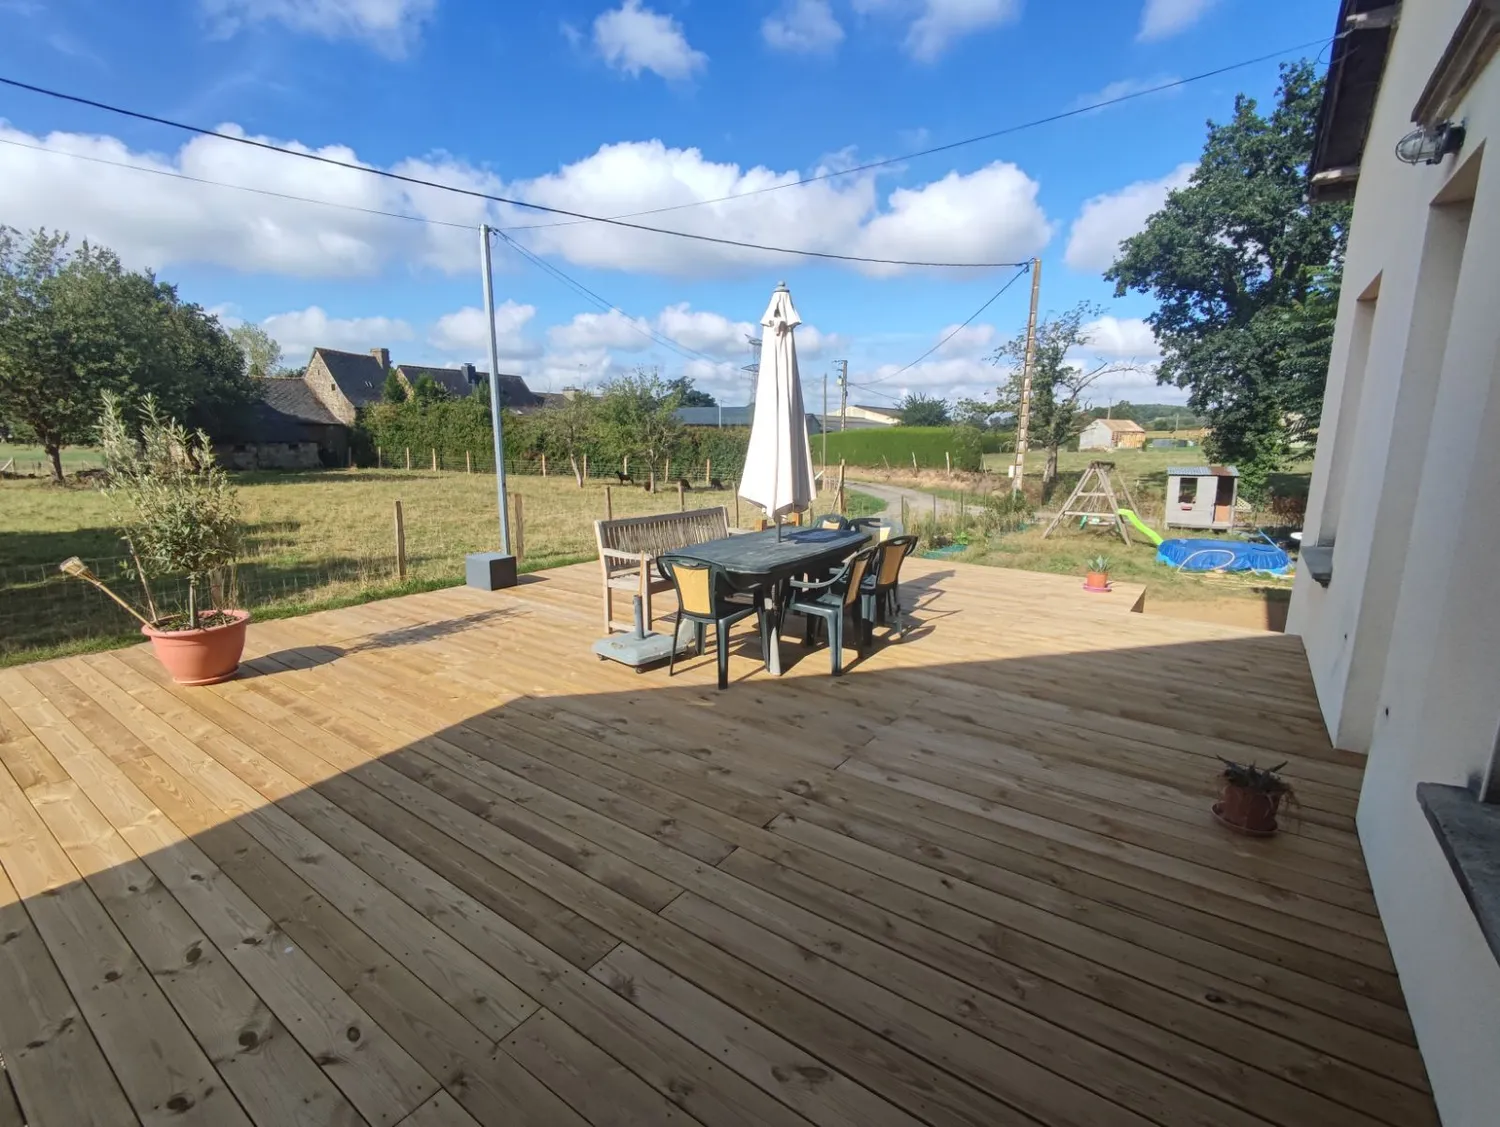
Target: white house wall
(1404, 645)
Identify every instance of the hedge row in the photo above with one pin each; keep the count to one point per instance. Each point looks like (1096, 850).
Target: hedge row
(896, 447)
(456, 427)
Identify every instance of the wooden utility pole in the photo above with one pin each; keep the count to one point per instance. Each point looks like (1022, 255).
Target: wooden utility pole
(400, 545)
(1023, 424)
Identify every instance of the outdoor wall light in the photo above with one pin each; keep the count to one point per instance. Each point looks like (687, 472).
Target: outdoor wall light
(1429, 145)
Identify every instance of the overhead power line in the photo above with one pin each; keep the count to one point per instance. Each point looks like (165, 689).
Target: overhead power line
(492, 197)
(604, 303)
(174, 175)
(886, 162)
(994, 297)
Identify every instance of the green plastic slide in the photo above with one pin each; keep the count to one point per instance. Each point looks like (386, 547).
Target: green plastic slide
(1140, 526)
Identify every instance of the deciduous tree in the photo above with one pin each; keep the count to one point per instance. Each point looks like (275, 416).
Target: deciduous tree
(262, 353)
(1246, 274)
(76, 323)
(1061, 376)
(638, 414)
(919, 410)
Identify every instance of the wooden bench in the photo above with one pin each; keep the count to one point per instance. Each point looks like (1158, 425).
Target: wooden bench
(628, 548)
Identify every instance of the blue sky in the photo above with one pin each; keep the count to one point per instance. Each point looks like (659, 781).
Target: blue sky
(618, 106)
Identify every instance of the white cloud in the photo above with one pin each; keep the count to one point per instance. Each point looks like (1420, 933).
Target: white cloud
(300, 332)
(390, 26)
(1116, 338)
(703, 331)
(1125, 87)
(463, 333)
(938, 23)
(947, 377)
(1164, 18)
(805, 26)
(631, 38)
(588, 332)
(154, 218)
(1107, 220)
(990, 215)
(969, 340)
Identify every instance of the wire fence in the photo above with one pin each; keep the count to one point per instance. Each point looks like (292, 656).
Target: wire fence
(621, 471)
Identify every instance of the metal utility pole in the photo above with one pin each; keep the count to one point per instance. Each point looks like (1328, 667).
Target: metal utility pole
(1023, 424)
(843, 393)
(489, 312)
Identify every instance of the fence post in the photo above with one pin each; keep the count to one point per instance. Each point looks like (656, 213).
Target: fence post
(948, 460)
(609, 502)
(736, 504)
(913, 459)
(625, 465)
(585, 467)
(434, 459)
(400, 545)
(519, 532)
(681, 498)
(544, 465)
(708, 470)
(379, 458)
(351, 457)
(468, 461)
(408, 457)
(668, 474)
(843, 507)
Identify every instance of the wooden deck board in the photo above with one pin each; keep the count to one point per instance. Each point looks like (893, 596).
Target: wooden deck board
(428, 862)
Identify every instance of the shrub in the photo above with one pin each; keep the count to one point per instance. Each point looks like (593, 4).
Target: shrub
(170, 498)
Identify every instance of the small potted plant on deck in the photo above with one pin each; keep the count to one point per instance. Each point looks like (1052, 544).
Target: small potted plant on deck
(178, 515)
(1098, 574)
(1251, 798)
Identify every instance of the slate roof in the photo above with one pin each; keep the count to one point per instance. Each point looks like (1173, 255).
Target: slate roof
(358, 374)
(287, 412)
(451, 380)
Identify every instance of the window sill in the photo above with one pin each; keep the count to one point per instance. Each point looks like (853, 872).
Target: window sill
(1317, 561)
(1469, 832)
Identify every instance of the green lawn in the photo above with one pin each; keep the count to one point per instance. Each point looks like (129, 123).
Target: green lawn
(314, 539)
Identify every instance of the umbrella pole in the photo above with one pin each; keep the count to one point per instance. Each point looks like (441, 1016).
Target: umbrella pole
(778, 527)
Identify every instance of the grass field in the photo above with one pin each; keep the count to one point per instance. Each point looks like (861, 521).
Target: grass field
(314, 540)
(32, 460)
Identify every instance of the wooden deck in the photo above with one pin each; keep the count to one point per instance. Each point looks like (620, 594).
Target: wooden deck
(428, 863)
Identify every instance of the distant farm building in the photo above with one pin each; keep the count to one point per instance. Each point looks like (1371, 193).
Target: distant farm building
(1112, 434)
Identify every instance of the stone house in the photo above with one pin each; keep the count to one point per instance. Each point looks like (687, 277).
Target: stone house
(303, 422)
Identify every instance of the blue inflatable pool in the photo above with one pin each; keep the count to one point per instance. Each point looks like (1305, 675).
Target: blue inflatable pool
(1223, 555)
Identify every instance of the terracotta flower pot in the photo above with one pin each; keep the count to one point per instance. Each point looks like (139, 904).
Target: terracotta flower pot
(1097, 581)
(1249, 811)
(201, 657)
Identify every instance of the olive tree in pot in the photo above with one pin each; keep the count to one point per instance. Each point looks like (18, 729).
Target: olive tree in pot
(178, 515)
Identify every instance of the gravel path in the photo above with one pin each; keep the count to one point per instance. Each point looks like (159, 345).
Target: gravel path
(892, 495)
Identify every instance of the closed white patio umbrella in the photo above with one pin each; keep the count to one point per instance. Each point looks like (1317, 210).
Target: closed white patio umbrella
(778, 465)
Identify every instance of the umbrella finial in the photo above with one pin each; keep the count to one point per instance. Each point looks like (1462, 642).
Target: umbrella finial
(781, 288)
